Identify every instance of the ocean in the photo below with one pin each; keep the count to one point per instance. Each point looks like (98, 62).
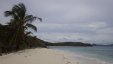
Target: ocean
(89, 55)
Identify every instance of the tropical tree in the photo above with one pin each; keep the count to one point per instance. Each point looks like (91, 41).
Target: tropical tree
(19, 24)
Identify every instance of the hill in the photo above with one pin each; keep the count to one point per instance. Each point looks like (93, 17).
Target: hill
(67, 44)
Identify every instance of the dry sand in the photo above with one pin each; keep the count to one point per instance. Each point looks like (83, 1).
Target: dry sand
(36, 56)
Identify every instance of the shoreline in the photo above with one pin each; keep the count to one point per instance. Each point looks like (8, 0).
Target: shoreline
(47, 56)
(83, 59)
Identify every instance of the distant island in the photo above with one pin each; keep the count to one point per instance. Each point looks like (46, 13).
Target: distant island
(67, 44)
(110, 44)
(102, 45)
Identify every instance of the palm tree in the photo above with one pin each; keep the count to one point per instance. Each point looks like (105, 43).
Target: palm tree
(19, 23)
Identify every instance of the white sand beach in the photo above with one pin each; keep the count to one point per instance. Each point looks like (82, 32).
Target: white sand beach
(46, 56)
(36, 56)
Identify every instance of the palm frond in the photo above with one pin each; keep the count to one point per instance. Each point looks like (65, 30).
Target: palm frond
(40, 19)
(23, 10)
(19, 10)
(8, 13)
(22, 6)
(31, 26)
(27, 33)
(29, 18)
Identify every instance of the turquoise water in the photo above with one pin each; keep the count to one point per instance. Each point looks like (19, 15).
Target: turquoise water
(102, 53)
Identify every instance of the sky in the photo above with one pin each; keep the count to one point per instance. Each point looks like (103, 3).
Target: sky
(88, 21)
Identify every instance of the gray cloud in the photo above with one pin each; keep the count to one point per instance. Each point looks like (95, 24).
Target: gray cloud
(69, 20)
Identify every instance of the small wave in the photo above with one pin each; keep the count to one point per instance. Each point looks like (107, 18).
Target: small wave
(87, 60)
(82, 59)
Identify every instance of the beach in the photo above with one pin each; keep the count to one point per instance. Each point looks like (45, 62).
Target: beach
(55, 55)
(36, 56)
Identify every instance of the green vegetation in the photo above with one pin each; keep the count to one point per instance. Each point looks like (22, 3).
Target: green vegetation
(68, 44)
(14, 35)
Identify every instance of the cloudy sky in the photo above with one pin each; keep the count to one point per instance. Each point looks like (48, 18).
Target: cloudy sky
(89, 21)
